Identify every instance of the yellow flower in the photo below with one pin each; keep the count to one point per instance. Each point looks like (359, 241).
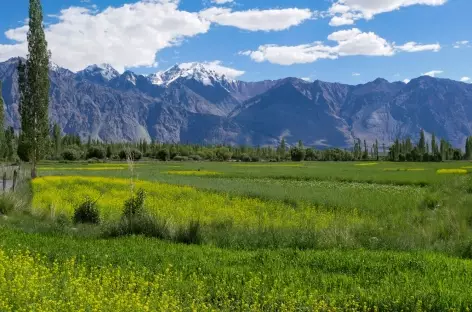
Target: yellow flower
(452, 171)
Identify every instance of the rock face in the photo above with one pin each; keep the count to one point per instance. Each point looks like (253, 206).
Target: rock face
(193, 103)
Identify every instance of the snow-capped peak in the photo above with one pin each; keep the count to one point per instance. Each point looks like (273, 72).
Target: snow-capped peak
(106, 71)
(53, 66)
(207, 73)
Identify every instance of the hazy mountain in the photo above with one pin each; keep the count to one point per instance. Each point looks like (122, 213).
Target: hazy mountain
(195, 102)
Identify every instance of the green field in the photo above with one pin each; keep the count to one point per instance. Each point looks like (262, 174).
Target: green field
(271, 236)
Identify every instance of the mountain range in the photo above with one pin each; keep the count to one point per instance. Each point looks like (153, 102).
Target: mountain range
(196, 103)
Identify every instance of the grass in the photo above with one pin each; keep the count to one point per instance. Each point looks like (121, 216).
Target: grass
(271, 237)
(142, 272)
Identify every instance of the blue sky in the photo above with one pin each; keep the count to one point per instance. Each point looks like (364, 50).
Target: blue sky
(349, 41)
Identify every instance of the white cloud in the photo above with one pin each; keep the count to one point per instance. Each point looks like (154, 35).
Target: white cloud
(356, 74)
(416, 47)
(217, 67)
(348, 42)
(222, 1)
(258, 20)
(127, 36)
(433, 73)
(466, 79)
(307, 79)
(131, 35)
(460, 44)
(346, 12)
(406, 81)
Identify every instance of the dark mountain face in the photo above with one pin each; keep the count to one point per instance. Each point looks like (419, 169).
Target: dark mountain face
(192, 103)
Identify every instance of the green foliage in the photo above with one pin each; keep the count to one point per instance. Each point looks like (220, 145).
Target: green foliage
(163, 155)
(96, 152)
(135, 204)
(141, 224)
(297, 153)
(2, 124)
(134, 154)
(7, 204)
(70, 154)
(190, 234)
(33, 81)
(87, 212)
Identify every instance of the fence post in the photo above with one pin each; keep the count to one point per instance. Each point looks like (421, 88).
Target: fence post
(4, 181)
(15, 176)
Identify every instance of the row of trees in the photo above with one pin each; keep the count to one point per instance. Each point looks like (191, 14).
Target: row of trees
(405, 150)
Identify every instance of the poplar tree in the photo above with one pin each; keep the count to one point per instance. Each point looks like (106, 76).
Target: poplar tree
(422, 143)
(2, 125)
(33, 81)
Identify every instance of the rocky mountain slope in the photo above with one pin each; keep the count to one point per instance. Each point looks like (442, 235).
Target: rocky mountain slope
(194, 103)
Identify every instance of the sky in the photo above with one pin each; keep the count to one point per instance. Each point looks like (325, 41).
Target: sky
(348, 41)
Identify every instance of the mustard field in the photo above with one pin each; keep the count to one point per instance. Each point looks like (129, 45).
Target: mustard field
(240, 237)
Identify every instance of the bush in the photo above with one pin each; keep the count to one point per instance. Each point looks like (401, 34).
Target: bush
(163, 155)
(96, 152)
(134, 205)
(7, 204)
(70, 155)
(297, 154)
(133, 153)
(86, 212)
(180, 158)
(246, 158)
(190, 235)
(195, 157)
(142, 224)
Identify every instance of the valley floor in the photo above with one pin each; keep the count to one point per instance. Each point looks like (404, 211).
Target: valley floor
(239, 237)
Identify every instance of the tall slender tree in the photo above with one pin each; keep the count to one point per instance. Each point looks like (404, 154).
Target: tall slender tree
(56, 139)
(2, 125)
(422, 143)
(33, 83)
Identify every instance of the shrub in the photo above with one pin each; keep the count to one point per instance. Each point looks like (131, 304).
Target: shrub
(96, 152)
(135, 204)
(297, 154)
(195, 157)
(246, 158)
(142, 224)
(163, 155)
(70, 155)
(190, 235)
(133, 153)
(86, 212)
(7, 205)
(180, 158)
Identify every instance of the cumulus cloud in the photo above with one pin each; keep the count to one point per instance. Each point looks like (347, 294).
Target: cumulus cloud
(406, 81)
(218, 67)
(416, 47)
(461, 44)
(132, 34)
(356, 74)
(346, 12)
(221, 1)
(433, 73)
(126, 36)
(466, 79)
(258, 20)
(348, 42)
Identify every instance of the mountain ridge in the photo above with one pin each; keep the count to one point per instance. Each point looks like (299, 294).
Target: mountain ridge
(194, 102)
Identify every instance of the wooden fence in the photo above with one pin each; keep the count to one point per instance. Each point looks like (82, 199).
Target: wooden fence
(10, 176)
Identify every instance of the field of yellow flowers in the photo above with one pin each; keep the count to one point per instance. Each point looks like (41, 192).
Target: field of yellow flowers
(275, 237)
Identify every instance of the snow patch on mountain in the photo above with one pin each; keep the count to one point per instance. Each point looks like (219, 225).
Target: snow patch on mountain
(207, 73)
(105, 70)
